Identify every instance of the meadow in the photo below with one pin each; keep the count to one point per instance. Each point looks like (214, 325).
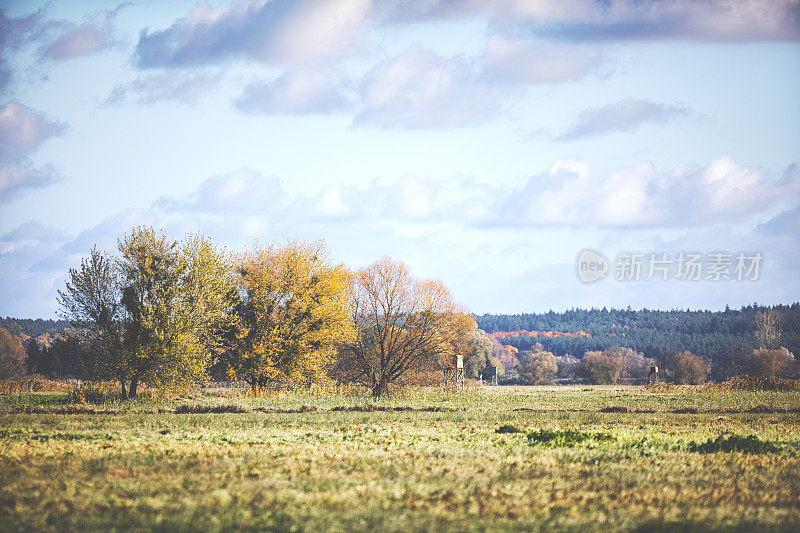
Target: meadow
(494, 458)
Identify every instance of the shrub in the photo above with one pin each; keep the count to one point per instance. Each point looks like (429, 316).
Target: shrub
(771, 363)
(751, 383)
(564, 438)
(12, 356)
(35, 383)
(197, 409)
(94, 392)
(690, 369)
(734, 443)
(508, 429)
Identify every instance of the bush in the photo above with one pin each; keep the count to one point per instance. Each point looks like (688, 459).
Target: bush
(734, 443)
(197, 409)
(94, 392)
(751, 383)
(771, 363)
(690, 369)
(12, 356)
(600, 368)
(564, 438)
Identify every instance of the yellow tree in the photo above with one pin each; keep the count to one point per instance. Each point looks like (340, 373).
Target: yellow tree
(768, 331)
(291, 313)
(402, 323)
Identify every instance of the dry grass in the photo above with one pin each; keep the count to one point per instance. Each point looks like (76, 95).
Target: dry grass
(426, 461)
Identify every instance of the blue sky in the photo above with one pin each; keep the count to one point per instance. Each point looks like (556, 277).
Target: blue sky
(485, 143)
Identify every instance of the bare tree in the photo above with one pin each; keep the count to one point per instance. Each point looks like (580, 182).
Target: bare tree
(402, 323)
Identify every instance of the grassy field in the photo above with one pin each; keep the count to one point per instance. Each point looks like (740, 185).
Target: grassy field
(527, 458)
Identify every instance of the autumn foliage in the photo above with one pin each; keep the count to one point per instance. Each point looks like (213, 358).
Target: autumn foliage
(690, 369)
(403, 324)
(291, 313)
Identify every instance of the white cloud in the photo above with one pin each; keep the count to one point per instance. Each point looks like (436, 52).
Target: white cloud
(574, 194)
(16, 178)
(243, 191)
(80, 41)
(309, 89)
(181, 87)
(474, 235)
(596, 20)
(276, 31)
(22, 131)
(419, 89)
(533, 61)
(712, 20)
(626, 115)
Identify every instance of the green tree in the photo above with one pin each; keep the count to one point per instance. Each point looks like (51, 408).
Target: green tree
(92, 300)
(479, 358)
(290, 315)
(154, 313)
(12, 356)
(733, 363)
(600, 368)
(537, 366)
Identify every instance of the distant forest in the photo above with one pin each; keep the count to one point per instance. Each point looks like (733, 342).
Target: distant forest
(655, 333)
(707, 333)
(33, 327)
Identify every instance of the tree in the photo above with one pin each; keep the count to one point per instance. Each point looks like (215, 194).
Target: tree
(768, 331)
(771, 363)
(152, 314)
(12, 356)
(634, 364)
(600, 367)
(734, 362)
(402, 323)
(68, 355)
(537, 366)
(92, 300)
(479, 359)
(690, 369)
(290, 315)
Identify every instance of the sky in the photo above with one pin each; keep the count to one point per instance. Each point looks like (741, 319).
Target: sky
(485, 143)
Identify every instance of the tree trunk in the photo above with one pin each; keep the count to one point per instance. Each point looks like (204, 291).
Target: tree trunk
(134, 385)
(124, 390)
(380, 388)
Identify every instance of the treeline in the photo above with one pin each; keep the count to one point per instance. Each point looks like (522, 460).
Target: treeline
(168, 313)
(711, 334)
(33, 327)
